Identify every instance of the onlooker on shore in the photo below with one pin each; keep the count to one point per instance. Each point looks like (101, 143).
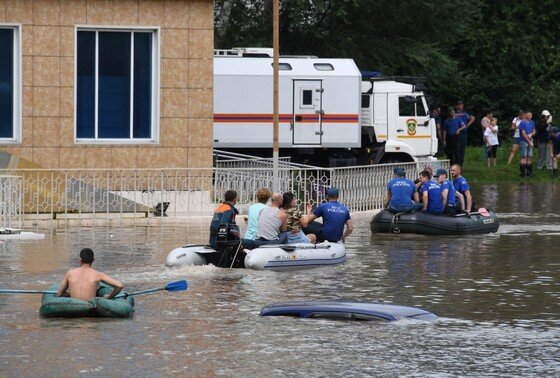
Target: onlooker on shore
(486, 120)
(542, 138)
(468, 119)
(516, 138)
(555, 137)
(452, 128)
(526, 132)
(492, 143)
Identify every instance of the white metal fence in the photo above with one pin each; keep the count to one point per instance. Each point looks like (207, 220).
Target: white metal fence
(56, 194)
(10, 202)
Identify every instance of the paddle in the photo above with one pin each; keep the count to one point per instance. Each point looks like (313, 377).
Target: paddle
(173, 286)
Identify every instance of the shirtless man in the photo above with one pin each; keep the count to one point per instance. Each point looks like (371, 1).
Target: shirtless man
(83, 281)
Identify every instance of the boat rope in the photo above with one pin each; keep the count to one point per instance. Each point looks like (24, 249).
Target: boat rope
(394, 224)
(235, 256)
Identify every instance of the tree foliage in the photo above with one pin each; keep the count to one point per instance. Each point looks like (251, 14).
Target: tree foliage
(494, 54)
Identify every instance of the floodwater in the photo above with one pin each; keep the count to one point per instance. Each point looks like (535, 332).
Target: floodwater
(497, 295)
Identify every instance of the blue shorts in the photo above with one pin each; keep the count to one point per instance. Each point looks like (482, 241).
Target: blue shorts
(525, 149)
(298, 238)
(516, 140)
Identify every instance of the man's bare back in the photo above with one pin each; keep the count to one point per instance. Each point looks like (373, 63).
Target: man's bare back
(82, 282)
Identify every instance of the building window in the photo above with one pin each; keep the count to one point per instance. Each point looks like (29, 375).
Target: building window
(117, 89)
(10, 84)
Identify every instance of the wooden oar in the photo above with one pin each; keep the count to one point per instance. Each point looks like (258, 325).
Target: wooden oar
(173, 286)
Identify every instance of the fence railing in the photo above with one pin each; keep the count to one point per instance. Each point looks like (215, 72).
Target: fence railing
(92, 193)
(10, 202)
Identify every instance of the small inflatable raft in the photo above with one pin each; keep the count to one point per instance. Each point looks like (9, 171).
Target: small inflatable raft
(271, 256)
(66, 307)
(420, 222)
(347, 310)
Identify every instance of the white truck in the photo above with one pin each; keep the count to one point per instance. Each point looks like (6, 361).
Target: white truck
(328, 114)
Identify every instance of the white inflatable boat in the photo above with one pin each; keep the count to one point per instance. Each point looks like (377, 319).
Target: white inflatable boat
(272, 256)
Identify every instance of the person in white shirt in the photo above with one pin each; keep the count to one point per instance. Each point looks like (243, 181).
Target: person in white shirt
(492, 143)
(516, 137)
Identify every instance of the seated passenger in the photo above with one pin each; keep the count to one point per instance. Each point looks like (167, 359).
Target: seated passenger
(263, 195)
(225, 213)
(431, 194)
(296, 220)
(461, 185)
(447, 193)
(402, 195)
(337, 223)
(272, 223)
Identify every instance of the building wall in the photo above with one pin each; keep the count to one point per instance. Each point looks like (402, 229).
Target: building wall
(186, 80)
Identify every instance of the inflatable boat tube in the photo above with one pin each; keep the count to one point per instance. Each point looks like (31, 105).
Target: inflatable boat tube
(270, 257)
(347, 310)
(66, 307)
(421, 222)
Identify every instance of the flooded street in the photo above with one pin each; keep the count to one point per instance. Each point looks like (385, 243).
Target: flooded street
(497, 295)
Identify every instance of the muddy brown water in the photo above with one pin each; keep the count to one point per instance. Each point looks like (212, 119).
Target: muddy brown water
(497, 296)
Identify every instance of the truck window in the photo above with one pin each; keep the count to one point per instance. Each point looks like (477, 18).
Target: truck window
(407, 106)
(411, 106)
(365, 101)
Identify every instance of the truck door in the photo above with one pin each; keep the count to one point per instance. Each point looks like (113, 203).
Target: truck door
(308, 112)
(380, 116)
(413, 126)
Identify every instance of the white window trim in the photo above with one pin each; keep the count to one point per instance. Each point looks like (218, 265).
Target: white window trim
(18, 85)
(301, 104)
(156, 91)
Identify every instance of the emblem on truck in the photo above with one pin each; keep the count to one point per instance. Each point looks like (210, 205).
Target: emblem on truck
(411, 126)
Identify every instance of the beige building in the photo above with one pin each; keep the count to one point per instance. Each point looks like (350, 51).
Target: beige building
(107, 83)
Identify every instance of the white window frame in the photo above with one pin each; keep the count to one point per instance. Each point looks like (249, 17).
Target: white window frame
(156, 58)
(17, 83)
(301, 92)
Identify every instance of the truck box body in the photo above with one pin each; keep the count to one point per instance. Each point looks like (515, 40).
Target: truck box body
(319, 102)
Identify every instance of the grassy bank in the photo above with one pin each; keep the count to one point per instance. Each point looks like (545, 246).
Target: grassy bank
(476, 170)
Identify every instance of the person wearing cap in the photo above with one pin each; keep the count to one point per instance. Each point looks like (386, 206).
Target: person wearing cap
(526, 132)
(462, 187)
(452, 128)
(335, 217)
(430, 191)
(448, 193)
(542, 138)
(555, 138)
(468, 119)
(516, 139)
(402, 194)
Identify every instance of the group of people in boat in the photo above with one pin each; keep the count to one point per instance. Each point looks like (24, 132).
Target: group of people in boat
(282, 221)
(433, 193)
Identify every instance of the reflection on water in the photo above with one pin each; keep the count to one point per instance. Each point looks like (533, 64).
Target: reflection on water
(497, 295)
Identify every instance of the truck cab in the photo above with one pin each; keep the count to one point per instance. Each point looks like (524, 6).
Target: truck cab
(396, 126)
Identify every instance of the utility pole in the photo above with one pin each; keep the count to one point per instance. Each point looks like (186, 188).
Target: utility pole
(275, 46)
